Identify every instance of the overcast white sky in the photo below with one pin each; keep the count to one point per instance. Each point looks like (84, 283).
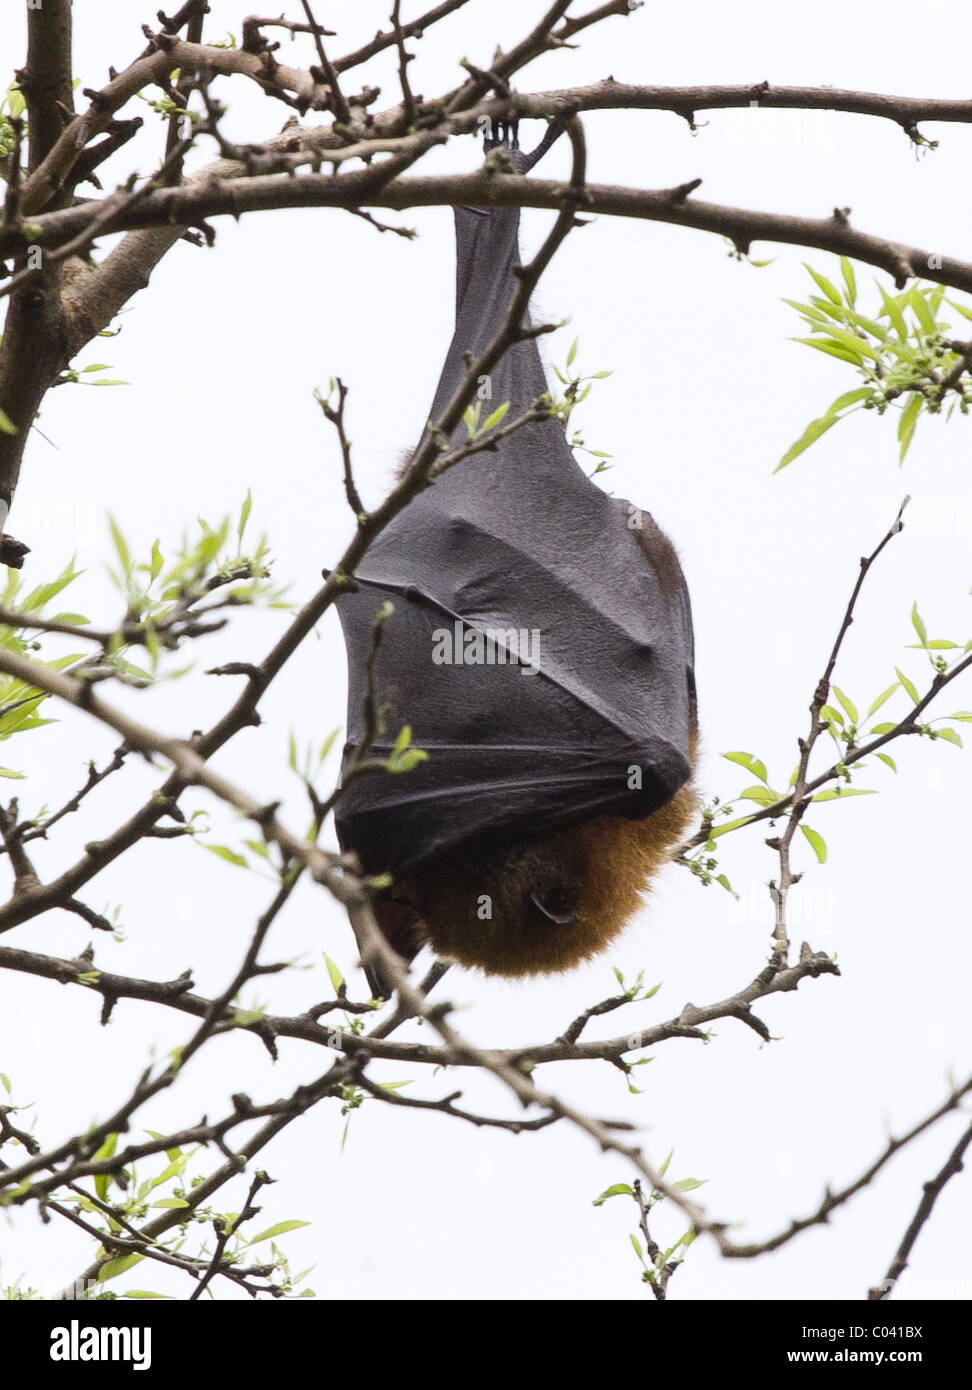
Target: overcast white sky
(223, 353)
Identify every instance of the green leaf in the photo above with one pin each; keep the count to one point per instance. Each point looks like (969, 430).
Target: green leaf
(103, 1179)
(886, 758)
(922, 312)
(144, 1293)
(7, 426)
(749, 762)
(121, 546)
(950, 736)
(918, 625)
(893, 311)
(908, 685)
(155, 567)
(618, 1189)
(280, 1229)
(832, 293)
(493, 420)
(688, 1184)
(885, 695)
(337, 979)
(637, 1247)
(907, 422)
(839, 793)
(572, 353)
(170, 1202)
(718, 830)
(763, 796)
(833, 314)
(9, 772)
(807, 310)
(852, 342)
(244, 515)
(404, 762)
(171, 1154)
(173, 1170)
(872, 326)
(847, 270)
(5, 1082)
(963, 714)
(226, 853)
(859, 393)
(112, 1268)
(882, 728)
(817, 843)
(849, 707)
(809, 436)
(43, 594)
(854, 356)
(63, 661)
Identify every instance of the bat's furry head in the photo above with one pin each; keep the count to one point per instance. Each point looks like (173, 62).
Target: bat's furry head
(548, 903)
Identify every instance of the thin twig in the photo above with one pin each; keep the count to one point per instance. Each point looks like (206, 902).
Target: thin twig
(779, 889)
(341, 109)
(404, 59)
(335, 416)
(930, 1193)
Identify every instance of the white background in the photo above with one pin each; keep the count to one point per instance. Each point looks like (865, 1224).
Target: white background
(223, 353)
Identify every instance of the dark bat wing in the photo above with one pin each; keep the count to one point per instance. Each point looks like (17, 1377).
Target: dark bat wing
(518, 541)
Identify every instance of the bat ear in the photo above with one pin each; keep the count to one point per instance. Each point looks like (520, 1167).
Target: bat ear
(556, 909)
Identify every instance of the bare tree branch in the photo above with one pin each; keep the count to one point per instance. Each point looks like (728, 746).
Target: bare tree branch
(779, 888)
(832, 1200)
(931, 1192)
(415, 28)
(59, 301)
(46, 80)
(340, 106)
(742, 226)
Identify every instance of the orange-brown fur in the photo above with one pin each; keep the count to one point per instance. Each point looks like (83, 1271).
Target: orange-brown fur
(601, 866)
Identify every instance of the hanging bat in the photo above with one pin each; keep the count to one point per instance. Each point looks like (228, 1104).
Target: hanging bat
(541, 650)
